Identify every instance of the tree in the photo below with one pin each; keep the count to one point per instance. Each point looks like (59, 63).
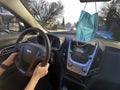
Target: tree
(63, 23)
(46, 12)
(111, 13)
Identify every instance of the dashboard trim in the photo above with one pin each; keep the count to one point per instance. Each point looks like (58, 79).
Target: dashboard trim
(79, 68)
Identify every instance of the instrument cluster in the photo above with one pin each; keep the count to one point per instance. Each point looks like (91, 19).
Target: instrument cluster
(55, 42)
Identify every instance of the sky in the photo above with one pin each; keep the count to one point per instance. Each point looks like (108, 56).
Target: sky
(72, 9)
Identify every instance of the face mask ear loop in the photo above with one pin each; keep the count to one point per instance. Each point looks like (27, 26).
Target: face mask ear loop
(85, 6)
(95, 6)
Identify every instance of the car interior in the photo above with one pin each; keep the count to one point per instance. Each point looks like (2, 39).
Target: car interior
(74, 65)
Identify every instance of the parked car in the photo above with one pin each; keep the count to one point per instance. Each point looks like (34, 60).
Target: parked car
(74, 65)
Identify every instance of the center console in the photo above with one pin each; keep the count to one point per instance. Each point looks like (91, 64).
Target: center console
(81, 57)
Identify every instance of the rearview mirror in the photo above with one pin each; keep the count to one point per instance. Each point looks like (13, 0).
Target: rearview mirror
(94, 0)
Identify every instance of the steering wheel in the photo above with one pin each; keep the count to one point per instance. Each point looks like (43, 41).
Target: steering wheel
(30, 53)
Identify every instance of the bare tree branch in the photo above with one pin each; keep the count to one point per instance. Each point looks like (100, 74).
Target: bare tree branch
(46, 12)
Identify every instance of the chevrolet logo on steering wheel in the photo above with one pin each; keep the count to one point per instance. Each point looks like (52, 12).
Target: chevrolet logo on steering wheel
(28, 51)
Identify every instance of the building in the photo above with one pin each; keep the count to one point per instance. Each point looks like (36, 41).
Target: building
(5, 17)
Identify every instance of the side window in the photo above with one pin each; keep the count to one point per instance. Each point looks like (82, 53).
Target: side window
(9, 22)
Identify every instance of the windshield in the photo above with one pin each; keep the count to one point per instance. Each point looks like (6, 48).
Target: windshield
(61, 16)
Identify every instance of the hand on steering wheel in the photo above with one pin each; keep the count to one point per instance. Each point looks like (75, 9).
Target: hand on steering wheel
(40, 71)
(10, 60)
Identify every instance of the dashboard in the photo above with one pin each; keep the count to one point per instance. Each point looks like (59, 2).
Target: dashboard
(68, 59)
(73, 61)
(55, 42)
(76, 56)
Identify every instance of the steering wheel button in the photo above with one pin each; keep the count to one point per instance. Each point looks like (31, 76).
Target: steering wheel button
(84, 70)
(70, 64)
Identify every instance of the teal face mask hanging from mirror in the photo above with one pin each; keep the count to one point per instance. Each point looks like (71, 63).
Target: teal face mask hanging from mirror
(87, 26)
